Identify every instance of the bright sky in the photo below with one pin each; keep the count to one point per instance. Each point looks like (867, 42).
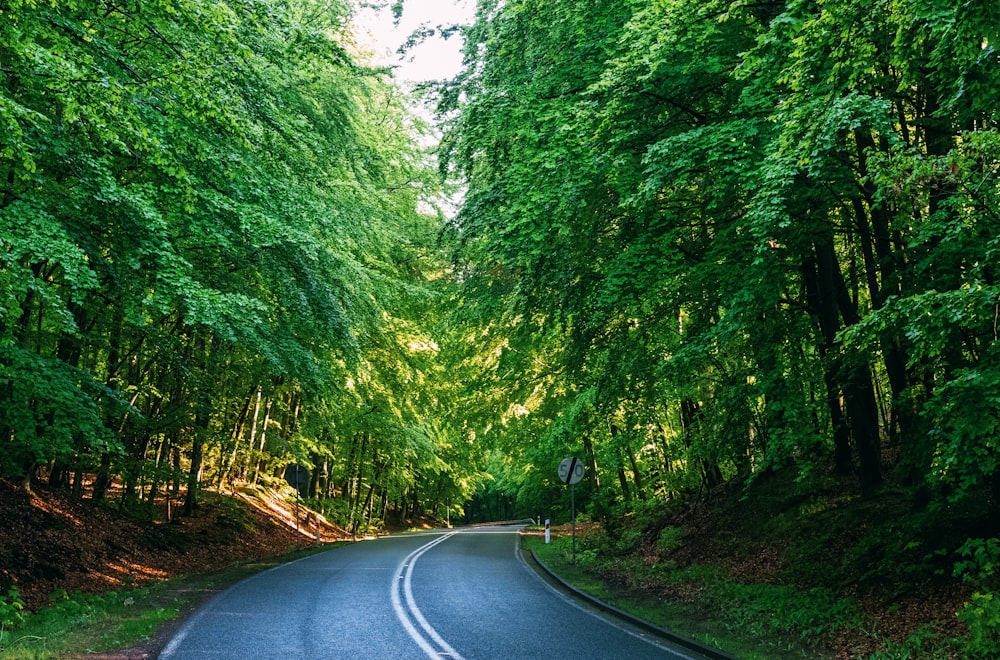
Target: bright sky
(436, 58)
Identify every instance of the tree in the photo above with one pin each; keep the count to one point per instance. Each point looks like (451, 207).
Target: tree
(753, 235)
(211, 225)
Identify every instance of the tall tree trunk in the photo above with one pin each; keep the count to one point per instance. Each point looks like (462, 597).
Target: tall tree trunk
(260, 463)
(711, 475)
(636, 473)
(862, 410)
(197, 455)
(820, 302)
(239, 427)
(591, 459)
(318, 476)
(175, 457)
(203, 352)
(883, 270)
(828, 302)
(357, 481)
(58, 475)
(162, 456)
(103, 479)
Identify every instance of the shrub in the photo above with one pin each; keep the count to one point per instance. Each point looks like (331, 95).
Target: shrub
(982, 616)
(669, 541)
(981, 560)
(627, 542)
(979, 564)
(11, 609)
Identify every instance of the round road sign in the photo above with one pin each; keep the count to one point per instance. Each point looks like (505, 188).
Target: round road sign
(298, 477)
(571, 470)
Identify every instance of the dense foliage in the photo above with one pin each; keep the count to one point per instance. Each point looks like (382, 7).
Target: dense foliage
(700, 243)
(705, 241)
(216, 257)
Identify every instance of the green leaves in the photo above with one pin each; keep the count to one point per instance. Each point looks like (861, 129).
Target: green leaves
(52, 411)
(200, 200)
(750, 233)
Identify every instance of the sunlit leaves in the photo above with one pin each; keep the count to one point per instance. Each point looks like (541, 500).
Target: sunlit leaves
(201, 200)
(746, 220)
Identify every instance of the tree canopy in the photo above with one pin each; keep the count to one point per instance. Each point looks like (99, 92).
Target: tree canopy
(698, 243)
(217, 256)
(703, 241)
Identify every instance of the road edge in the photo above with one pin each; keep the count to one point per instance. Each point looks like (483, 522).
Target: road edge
(667, 635)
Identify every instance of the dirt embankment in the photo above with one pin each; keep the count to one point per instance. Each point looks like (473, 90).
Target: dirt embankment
(50, 541)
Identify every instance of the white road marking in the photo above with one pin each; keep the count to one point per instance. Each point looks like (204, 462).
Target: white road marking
(405, 573)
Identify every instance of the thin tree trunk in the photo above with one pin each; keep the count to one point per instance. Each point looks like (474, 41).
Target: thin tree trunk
(197, 455)
(238, 429)
(622, 478)
(846, 377)
(103, 480)
(591, 459)
(260, 463)
(636, 473)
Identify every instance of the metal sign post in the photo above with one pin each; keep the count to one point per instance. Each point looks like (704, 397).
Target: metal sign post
(572, 508)
(571, 472)
(297, 477)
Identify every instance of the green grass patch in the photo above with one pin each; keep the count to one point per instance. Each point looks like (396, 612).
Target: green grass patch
(87, 623)
(755, 622)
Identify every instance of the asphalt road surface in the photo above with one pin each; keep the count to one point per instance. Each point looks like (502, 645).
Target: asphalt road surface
(449, 594)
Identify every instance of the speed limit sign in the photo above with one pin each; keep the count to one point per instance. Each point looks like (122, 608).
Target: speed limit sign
(571, 470)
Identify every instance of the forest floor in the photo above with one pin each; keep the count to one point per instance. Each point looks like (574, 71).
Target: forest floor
(891, 558)
(49, 542)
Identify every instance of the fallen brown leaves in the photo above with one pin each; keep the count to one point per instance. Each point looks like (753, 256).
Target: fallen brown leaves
(892, 617)
(51, 541)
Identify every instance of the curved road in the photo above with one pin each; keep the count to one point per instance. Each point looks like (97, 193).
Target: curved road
(449, 594)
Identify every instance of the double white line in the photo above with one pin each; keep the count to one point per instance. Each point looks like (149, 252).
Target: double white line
(433, 644)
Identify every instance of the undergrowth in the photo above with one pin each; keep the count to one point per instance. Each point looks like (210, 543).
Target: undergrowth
(831, 555)
(85, 623)
(742, 627)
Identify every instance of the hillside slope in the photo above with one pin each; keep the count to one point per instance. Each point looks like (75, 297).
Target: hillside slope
(783, 557)
(49, 541)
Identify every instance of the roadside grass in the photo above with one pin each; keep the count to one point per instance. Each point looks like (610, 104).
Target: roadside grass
(753, 622)
(87, 623)
(814, 571)
(77, 625)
